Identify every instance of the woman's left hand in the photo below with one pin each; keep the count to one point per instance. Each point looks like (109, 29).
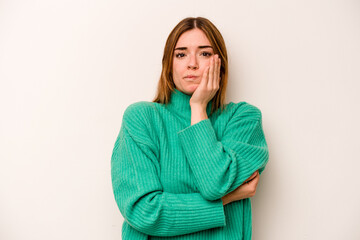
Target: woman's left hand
(209, 84)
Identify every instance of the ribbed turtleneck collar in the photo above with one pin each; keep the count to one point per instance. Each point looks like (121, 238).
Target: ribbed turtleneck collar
(180, 104)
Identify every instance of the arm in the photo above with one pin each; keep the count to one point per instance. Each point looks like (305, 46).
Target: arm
(220, 167)
(138, 191)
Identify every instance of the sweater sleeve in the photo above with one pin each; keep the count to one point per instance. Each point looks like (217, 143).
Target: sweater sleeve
(139, 194)
(220, 166)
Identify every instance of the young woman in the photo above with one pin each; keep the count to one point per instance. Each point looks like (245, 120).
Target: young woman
(185, 165)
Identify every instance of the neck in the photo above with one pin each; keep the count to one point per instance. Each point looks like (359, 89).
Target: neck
(180, 104)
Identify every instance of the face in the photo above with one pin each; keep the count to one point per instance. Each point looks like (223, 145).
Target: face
(191, 56)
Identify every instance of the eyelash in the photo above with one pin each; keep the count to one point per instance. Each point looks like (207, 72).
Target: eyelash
(208, 54)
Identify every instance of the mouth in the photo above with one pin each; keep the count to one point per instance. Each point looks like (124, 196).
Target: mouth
(191, 77)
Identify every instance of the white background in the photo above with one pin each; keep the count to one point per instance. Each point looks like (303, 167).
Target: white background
(68, 70)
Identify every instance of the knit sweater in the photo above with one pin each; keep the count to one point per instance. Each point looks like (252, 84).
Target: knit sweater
(168, 176)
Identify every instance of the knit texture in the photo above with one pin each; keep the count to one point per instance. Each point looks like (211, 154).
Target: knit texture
(168, 176)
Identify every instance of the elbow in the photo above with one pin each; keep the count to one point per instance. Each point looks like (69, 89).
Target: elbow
(144, 214)
(144, 226)
(216, 186)
(265, 158)
(212, 193)
(209, 196)
(264, 161)
(146, 223)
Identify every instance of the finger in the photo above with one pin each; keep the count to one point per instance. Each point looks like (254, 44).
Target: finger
(253, 182)
(211, 73)
(205, 77)
(256, 179)
(250, 179)
(216, 72)
(252, 175)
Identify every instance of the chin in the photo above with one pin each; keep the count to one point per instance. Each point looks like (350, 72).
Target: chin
(191, 89)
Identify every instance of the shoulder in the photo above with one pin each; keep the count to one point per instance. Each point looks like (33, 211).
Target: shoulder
(244, 110)
(138, 111)
(138, 108)
(138, 121)
(137, 115)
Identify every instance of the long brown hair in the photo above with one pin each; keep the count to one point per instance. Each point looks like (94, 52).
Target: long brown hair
(166, 83)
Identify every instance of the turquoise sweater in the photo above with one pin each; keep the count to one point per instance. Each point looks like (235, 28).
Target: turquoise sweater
(168, 176)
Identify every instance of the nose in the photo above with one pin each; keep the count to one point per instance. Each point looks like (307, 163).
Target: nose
(192, 64)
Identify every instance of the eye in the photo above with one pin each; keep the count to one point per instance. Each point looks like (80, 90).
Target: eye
(206, 54)
(179, 55)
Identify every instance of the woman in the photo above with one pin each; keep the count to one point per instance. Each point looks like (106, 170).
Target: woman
(185, 165)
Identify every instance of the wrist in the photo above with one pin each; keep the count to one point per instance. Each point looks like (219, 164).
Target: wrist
(198, 106)
(198, 113)
(226, 199)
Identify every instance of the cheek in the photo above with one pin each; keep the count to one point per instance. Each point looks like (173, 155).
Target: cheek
(178, 69)
(204, 65)
(177, 74)
(175, 69)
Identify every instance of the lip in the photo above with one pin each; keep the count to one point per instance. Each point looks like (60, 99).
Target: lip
(191, 76)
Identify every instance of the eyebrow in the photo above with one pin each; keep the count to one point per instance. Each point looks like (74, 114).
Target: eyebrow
(184, 48)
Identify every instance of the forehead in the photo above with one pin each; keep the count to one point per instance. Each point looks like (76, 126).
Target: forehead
(192, 38)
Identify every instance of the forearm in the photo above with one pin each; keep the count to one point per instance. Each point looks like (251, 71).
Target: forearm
(222, 162)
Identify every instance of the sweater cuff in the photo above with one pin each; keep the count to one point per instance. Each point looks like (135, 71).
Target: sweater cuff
(198, 138)
(218, 213)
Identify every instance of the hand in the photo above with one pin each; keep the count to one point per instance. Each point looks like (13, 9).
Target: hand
(209, 84)
(245, 190)
(252, 176)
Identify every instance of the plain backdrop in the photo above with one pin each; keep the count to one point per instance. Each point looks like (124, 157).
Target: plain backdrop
(69, 69)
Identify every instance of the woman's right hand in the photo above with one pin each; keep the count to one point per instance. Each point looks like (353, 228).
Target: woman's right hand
(245, 190)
